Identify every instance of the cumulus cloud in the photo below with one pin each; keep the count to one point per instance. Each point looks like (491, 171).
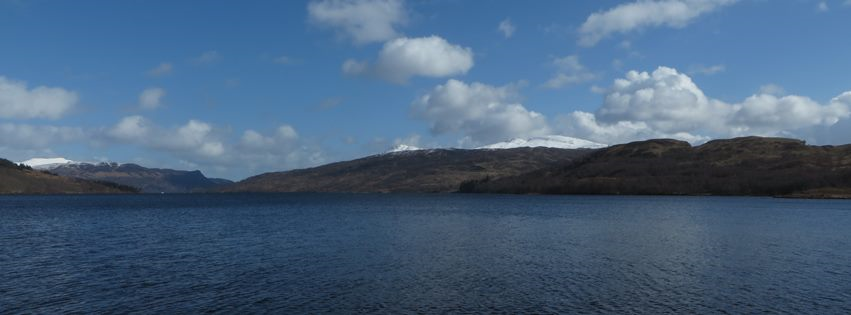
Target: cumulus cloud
(130, 128)
(822, 7)
(482, 113)
(569, 71)
(19, 101)
(362, 21)
(643, 14)
(282, 147)
(26, 136)
(507, 28)
(667, 103)
(161, 69)
(404, 57)
(195, 138)
(283, 136)
(151, 98)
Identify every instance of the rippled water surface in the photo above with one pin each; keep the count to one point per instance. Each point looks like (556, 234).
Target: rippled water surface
(314, 253)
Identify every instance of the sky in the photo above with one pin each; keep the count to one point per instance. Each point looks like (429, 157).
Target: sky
(239, 88)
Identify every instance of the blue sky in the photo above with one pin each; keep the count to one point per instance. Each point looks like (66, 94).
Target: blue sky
(234, 89)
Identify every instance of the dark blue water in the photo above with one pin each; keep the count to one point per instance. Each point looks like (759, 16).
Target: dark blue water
(316, 253)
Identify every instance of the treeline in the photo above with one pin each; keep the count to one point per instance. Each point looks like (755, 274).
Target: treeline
(9, 164)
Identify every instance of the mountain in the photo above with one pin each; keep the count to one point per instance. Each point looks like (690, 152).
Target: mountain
(432, 170)
(21, 179)
(740, 166)
(46, 163)
(552, 141)
(148, 180)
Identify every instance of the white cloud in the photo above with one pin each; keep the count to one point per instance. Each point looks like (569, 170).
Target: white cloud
(130, 128)
(707, 70)
(847, 3)
(404, 57)
(354, 67)
(639, 15)
(18, 101)
(204, 145)
(597, 89)
(208, 57)
(822, 7)
(284, 136)
(362, 21)
(194, 139)
(161, 69)
(482, 113)
(281, 148)
(507, 28)
(585, 125)
(151, 98)
(195, 136)
(569, 71)
(666, 103)
(25, 136)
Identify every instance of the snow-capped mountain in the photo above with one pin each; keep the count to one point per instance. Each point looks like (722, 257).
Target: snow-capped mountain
(551, 141)
(403, 148)
(47, 163)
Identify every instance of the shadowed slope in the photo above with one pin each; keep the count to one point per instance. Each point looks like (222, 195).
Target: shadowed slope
(740, 166)
(16, 179)
(438, 170)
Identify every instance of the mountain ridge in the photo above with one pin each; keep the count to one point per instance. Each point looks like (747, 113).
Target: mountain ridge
(148, 180)
(740, 166)
(431, 170)
(22, 179)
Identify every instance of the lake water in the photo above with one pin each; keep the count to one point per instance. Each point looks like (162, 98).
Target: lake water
(341, 253)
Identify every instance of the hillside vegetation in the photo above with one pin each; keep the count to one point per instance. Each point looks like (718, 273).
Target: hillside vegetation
(740, 166)
(18, 179)
(148, 180)
(439, 170)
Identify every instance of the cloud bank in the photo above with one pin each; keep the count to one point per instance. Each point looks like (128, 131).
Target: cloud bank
(200, 143)
(667, 103)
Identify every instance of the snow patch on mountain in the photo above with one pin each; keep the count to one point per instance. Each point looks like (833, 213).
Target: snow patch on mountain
(552, 141)
(47, 163)
(403, 148)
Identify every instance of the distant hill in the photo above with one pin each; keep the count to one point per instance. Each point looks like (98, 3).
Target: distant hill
(148, 180)
(740, 166)
(17, 179)
(433, 170)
